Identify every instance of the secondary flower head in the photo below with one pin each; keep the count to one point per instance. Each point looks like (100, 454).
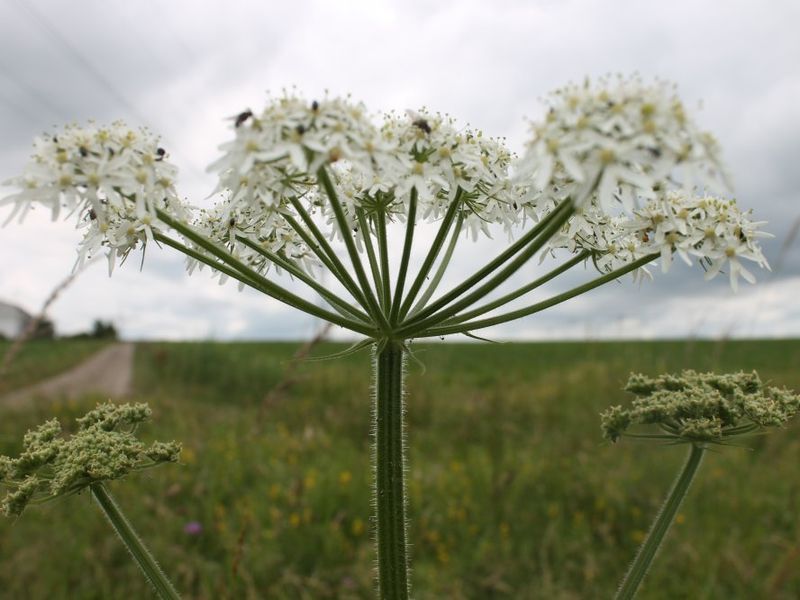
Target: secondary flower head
(113, 178)
(636, 166)
(102, 448)
(616, 140)
(700, 408)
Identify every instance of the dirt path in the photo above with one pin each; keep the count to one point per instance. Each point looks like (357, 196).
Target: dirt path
(109, 373)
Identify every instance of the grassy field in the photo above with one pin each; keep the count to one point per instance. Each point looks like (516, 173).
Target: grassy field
(513, 493)
(41, 358)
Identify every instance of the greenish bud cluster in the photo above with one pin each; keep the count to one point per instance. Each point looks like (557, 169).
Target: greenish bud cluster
(700, 408)
(104, 447)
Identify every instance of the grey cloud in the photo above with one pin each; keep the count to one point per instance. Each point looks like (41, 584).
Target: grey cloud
(185, 66)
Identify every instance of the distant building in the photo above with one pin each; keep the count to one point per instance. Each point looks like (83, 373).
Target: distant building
(13, 320)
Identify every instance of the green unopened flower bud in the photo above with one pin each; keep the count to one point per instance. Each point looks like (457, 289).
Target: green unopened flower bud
(103, 448)
(109, 416)
(16, 501)
(700, 407)
(42, 435)
(6, 466)
(164, 451)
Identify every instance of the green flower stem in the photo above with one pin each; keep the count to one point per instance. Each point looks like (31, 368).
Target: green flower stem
(545, 229)
(740, 430)
(133, 543)
(246, 276)
(390, 497)
(481, 310)
(563, 211)
(335, 301)
(383, 248)
(407, 244)
(344, 227)
(437, 278)
(317, 242)
(540, 306)
(366, 232)
(433, 252)
(661, 525)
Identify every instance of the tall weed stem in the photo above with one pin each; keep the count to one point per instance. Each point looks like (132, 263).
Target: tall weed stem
(133, 543)
(661, 525)
(390, 495)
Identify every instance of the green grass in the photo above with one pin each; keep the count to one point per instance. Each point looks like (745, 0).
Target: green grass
(513, 494)
(41, 358)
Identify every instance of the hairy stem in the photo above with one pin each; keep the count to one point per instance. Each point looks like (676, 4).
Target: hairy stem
(133, 543)
(661, 525)
(390, 498)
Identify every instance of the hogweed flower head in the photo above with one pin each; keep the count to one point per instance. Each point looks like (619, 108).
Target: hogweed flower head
(620, 156)
(114, 178)
(103, 448)
(627, 135)
(700, 408)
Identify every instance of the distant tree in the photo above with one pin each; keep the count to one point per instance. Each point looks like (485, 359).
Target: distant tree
(43, 329)
(103, 330)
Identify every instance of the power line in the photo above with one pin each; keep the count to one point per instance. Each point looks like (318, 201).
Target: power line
(31, 91)
(78, 58)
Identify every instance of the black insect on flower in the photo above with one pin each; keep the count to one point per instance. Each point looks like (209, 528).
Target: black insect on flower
(242, 117)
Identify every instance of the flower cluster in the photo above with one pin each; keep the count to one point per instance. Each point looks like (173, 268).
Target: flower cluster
(616, 141)
(266, 228)
(700, 408)
(275, 156)
(623, 151)
(269, 171)
(114, 178)
(709, 229)
(631, 159)
(103, 448)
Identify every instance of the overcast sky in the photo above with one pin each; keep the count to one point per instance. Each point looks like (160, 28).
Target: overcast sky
(181, 67)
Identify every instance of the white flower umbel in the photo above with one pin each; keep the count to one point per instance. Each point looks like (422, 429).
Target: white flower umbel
(113, 178)
(620, 137)
(615, 177)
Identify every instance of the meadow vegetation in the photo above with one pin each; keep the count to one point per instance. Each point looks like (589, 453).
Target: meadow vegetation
(41, 358)
(513, 493)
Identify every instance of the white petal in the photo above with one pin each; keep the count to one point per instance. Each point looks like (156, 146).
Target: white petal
(572, 166)
(544, 172)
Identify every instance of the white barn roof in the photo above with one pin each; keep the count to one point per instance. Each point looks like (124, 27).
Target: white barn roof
(13, 320)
